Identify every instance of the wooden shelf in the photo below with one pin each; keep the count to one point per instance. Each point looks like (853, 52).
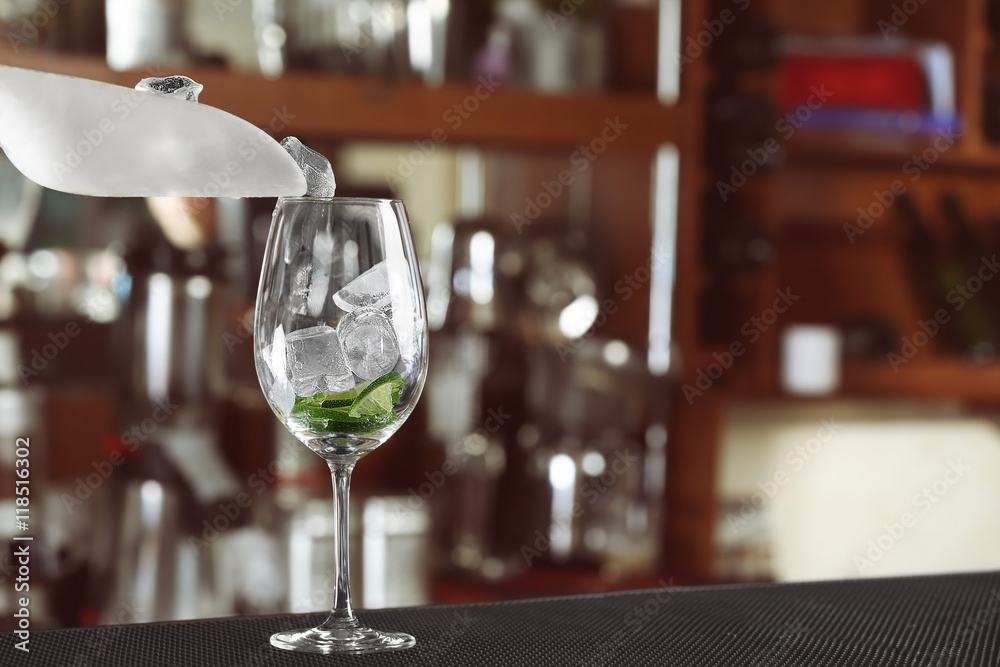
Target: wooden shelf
(961, 157)
(337, 107)
(925, 377)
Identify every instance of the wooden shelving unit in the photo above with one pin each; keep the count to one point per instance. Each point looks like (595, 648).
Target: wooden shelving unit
(802, 202)
(345, 108)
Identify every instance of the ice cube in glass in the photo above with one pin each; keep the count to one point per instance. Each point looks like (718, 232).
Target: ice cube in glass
(369, 342)
(315, 361)
(370, 289)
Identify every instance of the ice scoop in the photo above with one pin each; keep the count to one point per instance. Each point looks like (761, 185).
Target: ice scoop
(93, 138)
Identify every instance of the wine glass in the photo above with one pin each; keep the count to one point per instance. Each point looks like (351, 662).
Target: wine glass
(340, 346)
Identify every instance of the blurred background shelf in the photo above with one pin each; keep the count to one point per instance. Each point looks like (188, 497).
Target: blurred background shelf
(353, 108)
(833, 153)
(925, 377)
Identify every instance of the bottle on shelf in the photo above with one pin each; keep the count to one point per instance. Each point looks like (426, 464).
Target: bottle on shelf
(939, 278)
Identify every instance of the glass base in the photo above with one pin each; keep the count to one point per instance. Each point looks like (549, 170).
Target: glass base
(351, 639)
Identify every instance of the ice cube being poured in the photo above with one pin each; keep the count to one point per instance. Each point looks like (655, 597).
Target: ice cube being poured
(180, 87)
(370, 289)
(315, 167)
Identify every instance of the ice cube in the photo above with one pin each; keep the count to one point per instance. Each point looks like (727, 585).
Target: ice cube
(275, 354)
(316, 168)
(369, 342)
(298, 296)
(315, 361)
(369, 290)
(282, 396)
(181, 87)
(268, 356)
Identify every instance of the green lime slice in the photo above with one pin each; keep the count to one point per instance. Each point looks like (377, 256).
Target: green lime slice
(378, 397)
(350, 394)
(359, 425)
(322, 413)
(338, 402)
(342, 399)
(315, 398)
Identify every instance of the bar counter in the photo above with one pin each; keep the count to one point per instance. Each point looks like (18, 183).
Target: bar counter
(937, 621)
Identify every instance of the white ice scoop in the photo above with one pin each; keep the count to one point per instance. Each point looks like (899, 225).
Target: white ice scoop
(93, 138)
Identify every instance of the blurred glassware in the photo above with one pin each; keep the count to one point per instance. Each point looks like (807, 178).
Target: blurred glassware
(153, 566)
(20, 199)
(391, 526)
(552, 50)
(348, 36)
(270, 36)
(474, 397)
(531, 410)
(70, 282)
(562, 272)
(145, 32)
(811, 359)
(29, 24)
(384, 529)
(177, 495)
(592, 499)
(428, 38)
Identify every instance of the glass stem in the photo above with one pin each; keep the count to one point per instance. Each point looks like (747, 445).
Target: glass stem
(342, 613)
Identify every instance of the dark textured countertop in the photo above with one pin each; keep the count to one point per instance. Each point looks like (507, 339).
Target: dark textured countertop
(941, 621)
